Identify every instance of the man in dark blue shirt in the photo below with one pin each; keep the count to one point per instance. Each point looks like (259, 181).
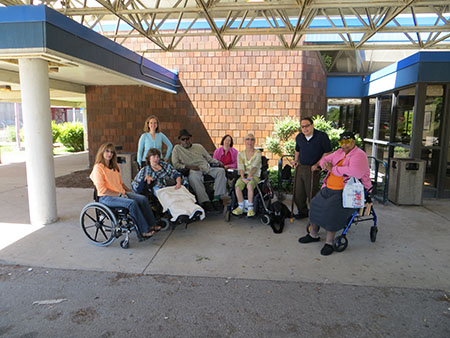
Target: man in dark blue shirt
(310, 146)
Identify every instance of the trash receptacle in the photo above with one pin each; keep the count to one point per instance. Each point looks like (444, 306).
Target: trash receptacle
(127, 166)
(406, 177)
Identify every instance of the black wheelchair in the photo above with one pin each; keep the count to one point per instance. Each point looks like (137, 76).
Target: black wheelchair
(264, 194)
(103, 225)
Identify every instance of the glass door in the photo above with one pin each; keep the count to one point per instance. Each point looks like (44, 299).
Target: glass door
(432, 133)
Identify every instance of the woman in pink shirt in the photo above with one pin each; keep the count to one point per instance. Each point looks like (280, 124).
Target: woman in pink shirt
(114, 193)
(326, 208)
(226, 153)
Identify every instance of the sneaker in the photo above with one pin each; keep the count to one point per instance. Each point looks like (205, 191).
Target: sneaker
(250, 213)
(308, 239)
(238, 211)
(327, 250)
(207, 206)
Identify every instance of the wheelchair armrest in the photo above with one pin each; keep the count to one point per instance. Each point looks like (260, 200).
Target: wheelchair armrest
(95, 195)
(184, 171)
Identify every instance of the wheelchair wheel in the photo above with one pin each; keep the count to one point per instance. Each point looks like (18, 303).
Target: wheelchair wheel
(227, 215)
(308, 228)
(373, 233)
(98, 223)
(265, 219)
(340, 243)
(125, 243)
(164, 223)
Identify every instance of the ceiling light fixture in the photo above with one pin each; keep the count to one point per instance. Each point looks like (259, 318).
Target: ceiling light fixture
(5, 88)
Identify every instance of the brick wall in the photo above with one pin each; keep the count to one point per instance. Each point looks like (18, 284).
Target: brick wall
(117, 114)
(222, 93)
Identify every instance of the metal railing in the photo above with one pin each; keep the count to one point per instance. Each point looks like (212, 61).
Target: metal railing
(380, 180)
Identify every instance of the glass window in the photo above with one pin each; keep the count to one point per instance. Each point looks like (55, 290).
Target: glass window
(431, 157)
(401, 152)
(434, 105)
(385, 118)
(405, 113)
(371, 118)
(345, 113)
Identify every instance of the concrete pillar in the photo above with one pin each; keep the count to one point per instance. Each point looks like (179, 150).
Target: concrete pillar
(34, 85)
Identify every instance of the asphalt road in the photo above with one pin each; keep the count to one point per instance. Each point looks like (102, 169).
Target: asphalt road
(105, 304)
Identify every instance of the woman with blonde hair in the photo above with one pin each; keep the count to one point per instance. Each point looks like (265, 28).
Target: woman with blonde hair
(152, 138)
(249, 168)
(114, 193)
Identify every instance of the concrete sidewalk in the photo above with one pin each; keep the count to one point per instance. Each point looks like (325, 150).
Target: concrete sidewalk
(412, 247)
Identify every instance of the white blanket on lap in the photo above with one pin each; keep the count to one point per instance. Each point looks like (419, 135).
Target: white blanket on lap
(178, 202)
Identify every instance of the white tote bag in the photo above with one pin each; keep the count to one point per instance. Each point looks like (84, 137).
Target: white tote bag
(353, 194)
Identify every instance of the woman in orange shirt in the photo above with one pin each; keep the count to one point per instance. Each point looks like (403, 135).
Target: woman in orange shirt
(326, 208)
(114, 193)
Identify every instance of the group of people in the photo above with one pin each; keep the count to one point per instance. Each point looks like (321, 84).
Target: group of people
(190, 158)
(312, 154)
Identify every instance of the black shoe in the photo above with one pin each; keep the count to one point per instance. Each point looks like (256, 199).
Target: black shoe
(327, 250)
(218, 205)
(207, 206)
(308, 239)
(301, 215)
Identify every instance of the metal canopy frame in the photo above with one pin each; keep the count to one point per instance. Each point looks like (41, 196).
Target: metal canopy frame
(321, 25)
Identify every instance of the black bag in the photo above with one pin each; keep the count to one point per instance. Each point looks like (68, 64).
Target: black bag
(279, 213)
(169, 182)
(286, 173)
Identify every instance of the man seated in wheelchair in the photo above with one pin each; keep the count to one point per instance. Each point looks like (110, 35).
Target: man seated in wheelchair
(249, 169)
(326, 209)
(194, 158)
(114, 193)
(166, 184)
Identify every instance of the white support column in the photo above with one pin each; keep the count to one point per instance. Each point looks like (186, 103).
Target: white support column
(34, 85)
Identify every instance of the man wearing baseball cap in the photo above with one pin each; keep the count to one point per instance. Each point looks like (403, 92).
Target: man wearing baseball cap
(193, 156)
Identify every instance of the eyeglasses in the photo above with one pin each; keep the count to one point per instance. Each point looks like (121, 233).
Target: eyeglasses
(345, 141)
(249, 139)
(184, 138)
(306, 126)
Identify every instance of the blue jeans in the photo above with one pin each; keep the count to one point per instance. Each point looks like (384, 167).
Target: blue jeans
(137, 205)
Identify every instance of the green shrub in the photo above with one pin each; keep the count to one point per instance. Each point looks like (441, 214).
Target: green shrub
(282, 142)
(71, 136)
(285, 128)
(11, 134)
(320, 123)
(56, 131)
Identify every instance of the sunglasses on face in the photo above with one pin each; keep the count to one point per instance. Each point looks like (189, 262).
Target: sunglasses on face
(184, 138)
(345, 141)
(249, 139)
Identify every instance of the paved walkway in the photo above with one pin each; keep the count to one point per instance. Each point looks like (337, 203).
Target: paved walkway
(218, 279)
(412, 247)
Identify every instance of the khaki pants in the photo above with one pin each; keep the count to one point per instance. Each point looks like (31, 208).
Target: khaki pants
(196, 182)
(303, 187)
